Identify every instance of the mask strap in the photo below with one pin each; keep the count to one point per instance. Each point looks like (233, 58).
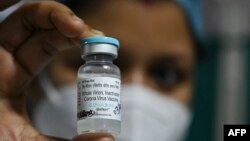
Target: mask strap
(49, 89)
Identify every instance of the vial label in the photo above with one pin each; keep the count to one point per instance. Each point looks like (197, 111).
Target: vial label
(99, 97)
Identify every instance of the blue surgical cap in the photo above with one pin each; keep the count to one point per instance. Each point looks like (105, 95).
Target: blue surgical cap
(193, 9)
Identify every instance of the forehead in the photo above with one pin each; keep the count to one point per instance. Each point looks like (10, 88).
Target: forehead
(149, 30)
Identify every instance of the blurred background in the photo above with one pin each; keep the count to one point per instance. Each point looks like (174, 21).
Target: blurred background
(223, 94)
(222, 91)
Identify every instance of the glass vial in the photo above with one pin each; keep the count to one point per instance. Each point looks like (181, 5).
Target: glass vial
(98, 85)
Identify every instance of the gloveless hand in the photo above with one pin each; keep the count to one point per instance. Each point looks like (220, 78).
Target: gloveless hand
(29, 38)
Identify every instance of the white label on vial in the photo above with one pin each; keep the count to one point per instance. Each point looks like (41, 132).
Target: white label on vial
(99, 97)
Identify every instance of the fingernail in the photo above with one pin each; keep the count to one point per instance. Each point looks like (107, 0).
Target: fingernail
(97, 32)
(74, 17)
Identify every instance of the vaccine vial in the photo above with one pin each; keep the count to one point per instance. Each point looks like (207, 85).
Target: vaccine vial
(98, 87)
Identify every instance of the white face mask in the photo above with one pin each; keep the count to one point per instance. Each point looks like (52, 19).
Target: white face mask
(148, 115)
(55, 115)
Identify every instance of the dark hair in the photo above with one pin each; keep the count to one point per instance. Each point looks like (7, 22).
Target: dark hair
(198, 43)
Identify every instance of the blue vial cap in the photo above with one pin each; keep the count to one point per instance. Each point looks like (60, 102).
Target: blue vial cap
(100, 39)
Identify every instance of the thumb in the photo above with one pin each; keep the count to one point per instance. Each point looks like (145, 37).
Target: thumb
(94, 137)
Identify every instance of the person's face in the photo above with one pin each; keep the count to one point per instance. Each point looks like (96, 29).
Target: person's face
(156, 47)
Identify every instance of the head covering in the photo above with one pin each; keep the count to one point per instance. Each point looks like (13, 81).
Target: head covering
(193, 10)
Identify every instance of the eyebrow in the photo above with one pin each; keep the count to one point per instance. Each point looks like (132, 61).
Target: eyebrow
(176, 60)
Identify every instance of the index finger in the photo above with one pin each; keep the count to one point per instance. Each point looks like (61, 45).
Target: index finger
(46, 15)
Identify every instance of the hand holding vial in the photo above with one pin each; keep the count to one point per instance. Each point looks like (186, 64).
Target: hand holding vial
(29, 38)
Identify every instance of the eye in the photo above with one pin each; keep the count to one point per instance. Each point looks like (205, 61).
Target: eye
(167, 76)
(124, 61)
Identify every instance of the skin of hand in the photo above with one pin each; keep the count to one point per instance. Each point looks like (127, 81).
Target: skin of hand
(29, 38)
